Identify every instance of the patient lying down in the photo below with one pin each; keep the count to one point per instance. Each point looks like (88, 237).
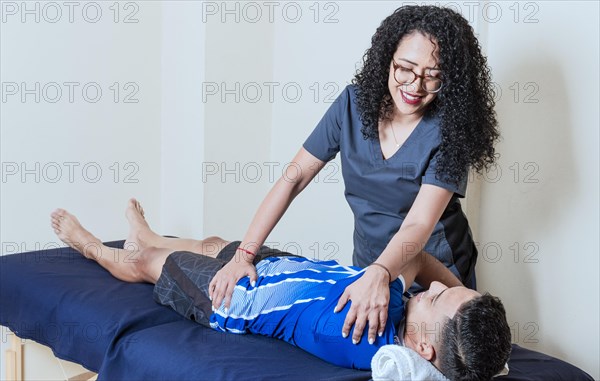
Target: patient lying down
(463, 333)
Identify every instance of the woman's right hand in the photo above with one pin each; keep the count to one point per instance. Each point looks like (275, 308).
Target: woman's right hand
(221, 286)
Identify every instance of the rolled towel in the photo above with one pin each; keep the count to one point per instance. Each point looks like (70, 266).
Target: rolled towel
(398, 363)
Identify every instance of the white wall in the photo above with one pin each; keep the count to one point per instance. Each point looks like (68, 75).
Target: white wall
(182, 135)
(539, 211)
(156, 141)
(88, 134)
(182, 120)
(238, 62)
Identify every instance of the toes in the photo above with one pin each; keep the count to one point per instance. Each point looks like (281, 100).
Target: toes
(55, 226)
(135, 204)
(59, 214)
(55, 220)
(138, 207)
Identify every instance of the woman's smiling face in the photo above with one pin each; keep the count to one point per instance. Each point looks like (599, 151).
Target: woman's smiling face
(415, 53)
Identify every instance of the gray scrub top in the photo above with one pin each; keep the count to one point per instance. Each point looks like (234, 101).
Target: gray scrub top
(380, 192)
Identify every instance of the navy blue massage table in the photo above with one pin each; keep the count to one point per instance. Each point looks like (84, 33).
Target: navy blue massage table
(60, 299)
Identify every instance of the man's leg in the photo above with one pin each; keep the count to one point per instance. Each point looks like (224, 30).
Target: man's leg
(181, 278)
(139, 261)
(140, 235)
(143, 265)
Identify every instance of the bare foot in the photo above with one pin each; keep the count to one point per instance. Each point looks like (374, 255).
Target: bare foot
(140, 235)
(69, 230)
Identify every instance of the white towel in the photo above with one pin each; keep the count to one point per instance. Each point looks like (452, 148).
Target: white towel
(397, 363)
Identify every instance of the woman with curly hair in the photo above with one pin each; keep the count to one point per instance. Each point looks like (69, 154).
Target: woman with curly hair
(417, 117)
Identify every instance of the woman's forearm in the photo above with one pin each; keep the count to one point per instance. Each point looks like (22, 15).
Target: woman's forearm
(424, 268)
(297, 176)
(404, 246)
(269, 213)
(406, 249)
(431, 269)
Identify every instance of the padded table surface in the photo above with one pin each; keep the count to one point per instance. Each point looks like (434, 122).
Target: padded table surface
(71, 304)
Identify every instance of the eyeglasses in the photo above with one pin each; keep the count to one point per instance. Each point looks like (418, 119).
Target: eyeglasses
(406, 76)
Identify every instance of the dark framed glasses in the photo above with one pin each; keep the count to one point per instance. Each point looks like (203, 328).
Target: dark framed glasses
(405, 76)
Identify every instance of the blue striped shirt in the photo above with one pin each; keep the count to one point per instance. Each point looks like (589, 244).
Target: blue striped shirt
(293, 300)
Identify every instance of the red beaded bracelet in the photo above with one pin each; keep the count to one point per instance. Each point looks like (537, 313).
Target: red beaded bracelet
(246, 251)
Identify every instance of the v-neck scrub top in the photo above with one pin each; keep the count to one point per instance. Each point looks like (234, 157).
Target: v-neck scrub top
(381, 191)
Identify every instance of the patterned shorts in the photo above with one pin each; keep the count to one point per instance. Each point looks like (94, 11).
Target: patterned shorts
(185, 277)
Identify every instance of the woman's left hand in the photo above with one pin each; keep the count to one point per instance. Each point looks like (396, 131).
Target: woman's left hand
(370, 296)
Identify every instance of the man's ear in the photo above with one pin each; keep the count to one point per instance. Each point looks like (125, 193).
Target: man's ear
(425, 350)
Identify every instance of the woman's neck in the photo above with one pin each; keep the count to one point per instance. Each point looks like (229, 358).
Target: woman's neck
(406, 119)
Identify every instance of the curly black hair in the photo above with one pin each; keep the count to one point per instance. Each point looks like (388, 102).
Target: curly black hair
(476, 342)
(465, 104)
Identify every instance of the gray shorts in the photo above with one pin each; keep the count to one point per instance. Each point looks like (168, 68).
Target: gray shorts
(185, 277)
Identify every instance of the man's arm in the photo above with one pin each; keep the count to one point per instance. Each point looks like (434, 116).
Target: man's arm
(424, 268)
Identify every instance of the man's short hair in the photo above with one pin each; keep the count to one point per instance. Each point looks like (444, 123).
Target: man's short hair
(476, 342)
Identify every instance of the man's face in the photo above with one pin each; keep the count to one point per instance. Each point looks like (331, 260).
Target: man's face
(427, 312)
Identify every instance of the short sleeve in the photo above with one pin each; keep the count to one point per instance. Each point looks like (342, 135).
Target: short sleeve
(403, 282)
(324, 141)
(459, 189)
